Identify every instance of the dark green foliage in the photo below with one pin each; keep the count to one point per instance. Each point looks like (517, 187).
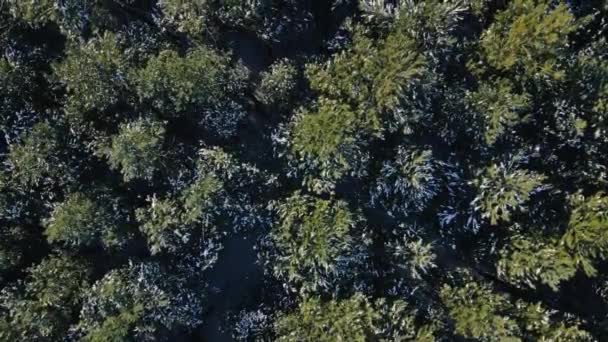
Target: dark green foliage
(303, 170)
(115, 328)
(185, 16)
(278, 85)
(502, 191)
(383, 72)
(203, 211)
(38, 159)
(43, 309)
(351, 319)
(316, 242)
(584, 237)
(500, 110)
(201, 86)
(480, 314)
(530, 37)
(409, 183)
(161, 224)
(80, 221)
(325, 144)
(271, 20)
(136, 151)
(94, 76)
(75, 18)
(15, 107)
(11, 253)
(173, 83)
(552, 261)
(140, 301)
(531, 261)
(415, 257)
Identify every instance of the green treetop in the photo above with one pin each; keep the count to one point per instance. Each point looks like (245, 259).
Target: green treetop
(202, 86)
(530, 37)
(370, 76)
(277, 85)
(80, 221)
(502, 191)
(480, 313)
(95, 77)
(351, 319)
(215, 202)
(174, 84)
(37, 159)
(185, 15)
(586, 238)
(34, 12)
(500, 109)
(327, 141)
(136, 151)
(530, 261)
(314, 241)
(551, 261)
(139, 301)
(45, 308)
(408, 183)
(361, 91)
(75, 18)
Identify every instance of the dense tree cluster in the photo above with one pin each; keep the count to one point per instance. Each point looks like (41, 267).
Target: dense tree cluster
(303, 170)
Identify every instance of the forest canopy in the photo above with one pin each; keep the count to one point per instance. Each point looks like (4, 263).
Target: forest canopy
(303, 170)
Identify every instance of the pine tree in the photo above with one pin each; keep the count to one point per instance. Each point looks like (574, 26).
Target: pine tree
(40, 158)
(352, 319)
(316, 245)
(500, 110)
(531, 38)
(80, 221)
(502, 190)
(139, 301)
(533, 261)
(408, 183)
(296, 170)
(325, 144)
(201, 86)
(44, 308)
(95, 77)
(136, 150)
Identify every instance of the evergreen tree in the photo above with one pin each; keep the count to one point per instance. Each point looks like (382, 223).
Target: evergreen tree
(45, 306)
(139, 301)
(136, 150)
(95, 77)
(501, 191)
(201, 86)
(317, 247)
(351, 319)
(481, 314)
(40, 158)
(303, 170)
(80, 222)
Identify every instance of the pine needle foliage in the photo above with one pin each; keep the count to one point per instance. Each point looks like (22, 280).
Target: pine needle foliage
(295, 170)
